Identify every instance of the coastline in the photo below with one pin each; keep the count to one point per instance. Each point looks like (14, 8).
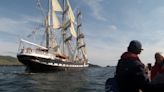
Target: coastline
(9, 61)
(13, 61)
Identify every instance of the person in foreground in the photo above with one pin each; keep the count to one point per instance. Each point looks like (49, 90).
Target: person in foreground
(157, 71)
(130, 72)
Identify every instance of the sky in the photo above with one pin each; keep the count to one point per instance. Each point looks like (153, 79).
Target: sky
(108, 25)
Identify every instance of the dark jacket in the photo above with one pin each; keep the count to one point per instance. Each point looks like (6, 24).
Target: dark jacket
(157, 69)
(130, 74)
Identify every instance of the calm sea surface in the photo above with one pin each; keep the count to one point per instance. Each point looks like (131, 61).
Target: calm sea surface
(15, 79)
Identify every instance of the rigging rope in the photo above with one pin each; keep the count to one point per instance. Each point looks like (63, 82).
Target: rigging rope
(40, 7)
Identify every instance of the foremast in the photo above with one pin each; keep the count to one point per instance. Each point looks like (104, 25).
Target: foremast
(81, 45)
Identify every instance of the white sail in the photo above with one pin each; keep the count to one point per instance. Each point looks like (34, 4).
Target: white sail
(72, 30)
(56, 23)
(70, 13)
(56, 6)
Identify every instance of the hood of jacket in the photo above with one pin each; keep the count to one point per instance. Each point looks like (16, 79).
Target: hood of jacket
(130, 56)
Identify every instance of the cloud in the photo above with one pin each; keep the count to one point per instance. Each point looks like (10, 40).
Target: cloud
(8, 48)
(12, 30)
(107, 40)
(16, 26)
(97, 8)
(112, 28)
(139, 1)
(106, 46)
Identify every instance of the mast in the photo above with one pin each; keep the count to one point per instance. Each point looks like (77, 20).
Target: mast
(53, 24)
(78, 30)
(81, 48)
(63, 30)
(48, 25)
(67, 49)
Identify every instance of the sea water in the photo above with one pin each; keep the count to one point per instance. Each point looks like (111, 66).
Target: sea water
(15, 79)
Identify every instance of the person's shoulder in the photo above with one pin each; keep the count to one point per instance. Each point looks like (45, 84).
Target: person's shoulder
(131, 62)
(159, 78)
(161, 69)
(138, 63)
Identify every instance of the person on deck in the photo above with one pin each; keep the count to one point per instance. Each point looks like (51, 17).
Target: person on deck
(130, 72)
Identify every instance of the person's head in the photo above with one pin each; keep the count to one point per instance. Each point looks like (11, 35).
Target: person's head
(149, 66)
(158, 57)
(135, 47)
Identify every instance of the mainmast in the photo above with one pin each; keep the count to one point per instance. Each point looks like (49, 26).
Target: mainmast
(68, 31)
(53, 24)
(48, 25)
(63, 22)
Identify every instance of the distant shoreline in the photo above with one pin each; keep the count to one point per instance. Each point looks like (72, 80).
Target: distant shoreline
(9, 61)
(13, 61)
(11, 65)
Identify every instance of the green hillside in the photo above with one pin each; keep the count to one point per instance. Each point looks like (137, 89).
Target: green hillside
(8, 60)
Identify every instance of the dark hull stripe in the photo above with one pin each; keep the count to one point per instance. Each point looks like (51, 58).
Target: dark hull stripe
(42, 64)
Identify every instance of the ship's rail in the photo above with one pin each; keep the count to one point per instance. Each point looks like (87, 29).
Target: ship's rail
(30, 48)
(31, 51)
(22, 41)
(36, 52)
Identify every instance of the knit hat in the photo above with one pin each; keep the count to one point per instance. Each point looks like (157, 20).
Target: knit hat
(135, 46)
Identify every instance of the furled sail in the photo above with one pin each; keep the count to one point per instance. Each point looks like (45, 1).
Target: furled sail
(56, 6)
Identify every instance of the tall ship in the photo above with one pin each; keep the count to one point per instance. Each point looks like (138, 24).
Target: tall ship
(62, 45)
